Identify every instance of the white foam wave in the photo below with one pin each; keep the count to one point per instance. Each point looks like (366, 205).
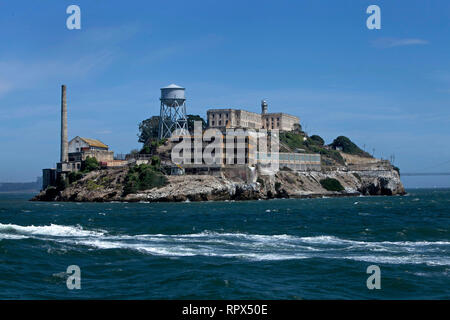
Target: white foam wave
(51, 230)
(241, 245)
(12, 237)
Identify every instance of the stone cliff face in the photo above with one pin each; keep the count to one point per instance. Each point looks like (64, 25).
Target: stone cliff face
(107, 185)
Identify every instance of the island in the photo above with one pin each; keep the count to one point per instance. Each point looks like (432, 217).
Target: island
(306, 167)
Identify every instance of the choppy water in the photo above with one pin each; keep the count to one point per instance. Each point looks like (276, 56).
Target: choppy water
(278, 249)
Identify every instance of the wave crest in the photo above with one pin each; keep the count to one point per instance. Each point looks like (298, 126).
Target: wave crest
(241, 245)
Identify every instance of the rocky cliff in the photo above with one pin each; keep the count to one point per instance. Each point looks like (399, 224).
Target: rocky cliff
(107, 185)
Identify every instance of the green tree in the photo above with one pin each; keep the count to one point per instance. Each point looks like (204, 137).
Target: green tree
(191, 118)
(90, 164)
(317, 140)
(148, 129)
(348, 146)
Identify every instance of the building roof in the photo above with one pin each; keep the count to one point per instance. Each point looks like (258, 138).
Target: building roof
(94, 143)
(172, 86)
(279, 114)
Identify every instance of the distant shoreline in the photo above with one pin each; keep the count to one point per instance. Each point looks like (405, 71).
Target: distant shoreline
(20, 191)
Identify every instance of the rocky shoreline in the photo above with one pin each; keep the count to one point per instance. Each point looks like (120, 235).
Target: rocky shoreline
(107, 186)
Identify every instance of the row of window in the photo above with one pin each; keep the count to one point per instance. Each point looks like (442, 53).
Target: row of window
(289, 157)
(219, 123)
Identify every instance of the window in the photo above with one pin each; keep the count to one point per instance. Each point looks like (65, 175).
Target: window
(213, 123)
(220, 122)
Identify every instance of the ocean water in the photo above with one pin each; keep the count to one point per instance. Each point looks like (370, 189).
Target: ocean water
(277, 249)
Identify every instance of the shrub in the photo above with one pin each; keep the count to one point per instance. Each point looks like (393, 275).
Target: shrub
(143, 177)
(75, 176)
(152, 145)
(145, 150)
(156, 161)
(90, 164)
(92, 185)
(331, 184)
(51, 193)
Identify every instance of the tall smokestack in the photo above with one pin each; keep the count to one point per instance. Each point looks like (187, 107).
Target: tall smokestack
(64, 141)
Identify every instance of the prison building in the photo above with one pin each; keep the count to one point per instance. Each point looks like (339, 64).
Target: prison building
(240, 148)
(293, 161)
(280, 121)
(238, 118)
(236, 148)
(233, 118)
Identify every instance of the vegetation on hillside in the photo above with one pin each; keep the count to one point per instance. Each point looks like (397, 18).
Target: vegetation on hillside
(151, 147)
(88, 165)
(313, 144)
(347, 146)
(292, 141)
(144, 177)
(331, 184)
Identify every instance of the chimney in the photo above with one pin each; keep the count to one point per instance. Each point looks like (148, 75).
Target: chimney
(64, 142)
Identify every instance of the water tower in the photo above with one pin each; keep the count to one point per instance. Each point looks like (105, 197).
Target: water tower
(173, 111)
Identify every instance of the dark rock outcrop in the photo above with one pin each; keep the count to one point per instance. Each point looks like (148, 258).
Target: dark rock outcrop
(107, 185)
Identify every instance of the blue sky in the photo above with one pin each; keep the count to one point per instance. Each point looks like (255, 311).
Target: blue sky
(387, 89)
